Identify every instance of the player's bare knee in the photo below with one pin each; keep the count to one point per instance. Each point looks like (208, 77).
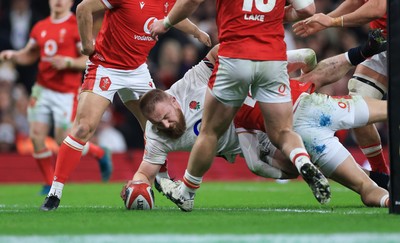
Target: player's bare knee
(36, 135)
(83, 131)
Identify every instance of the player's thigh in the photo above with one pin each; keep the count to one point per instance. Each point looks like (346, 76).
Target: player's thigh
(230, 80)
(350, 174)
(89, 112)
(377, 110)
(330, 112)
(40, 104)
(217, 116)
(63, 108)
(134, 108)
(270, 83)
(278, 117)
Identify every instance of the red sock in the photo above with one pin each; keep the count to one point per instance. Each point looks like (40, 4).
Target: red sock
(96, 151)
(45, 163)
(68, 158)
(374, 154)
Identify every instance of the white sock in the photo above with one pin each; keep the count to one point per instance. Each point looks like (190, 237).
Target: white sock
(383, 201)
(190, 185)
(85, 149)
(56, 189)
(299, 157)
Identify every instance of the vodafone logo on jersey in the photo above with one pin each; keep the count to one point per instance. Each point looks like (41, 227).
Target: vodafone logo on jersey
(146, 29)
(50, 48)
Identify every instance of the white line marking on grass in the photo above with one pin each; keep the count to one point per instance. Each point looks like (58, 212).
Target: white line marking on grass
(14, 209)
(290, 210)
(161, 238)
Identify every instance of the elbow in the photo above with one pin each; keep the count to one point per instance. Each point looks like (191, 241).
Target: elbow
(81, 9)
(378, 9)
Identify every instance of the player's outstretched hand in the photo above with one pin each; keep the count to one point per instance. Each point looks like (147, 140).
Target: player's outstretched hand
(7, 55)
(203, 37)
(61, 62)
(158, 28)
(123, 190)
(312, 25)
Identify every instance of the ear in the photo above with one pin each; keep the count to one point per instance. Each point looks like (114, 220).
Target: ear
(175, 103)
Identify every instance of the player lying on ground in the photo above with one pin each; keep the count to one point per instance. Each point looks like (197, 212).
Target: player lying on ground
(370, 77)
(174, 119)
(166, 130)
(316, 119)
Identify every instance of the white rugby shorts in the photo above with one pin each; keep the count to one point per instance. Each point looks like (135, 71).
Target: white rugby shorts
(130, 84)
(47, 106)
(232, 79)
(316, 119)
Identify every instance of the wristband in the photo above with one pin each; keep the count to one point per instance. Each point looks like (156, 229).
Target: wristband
(338, 21)
(355, 56)
(167, 23)
(68, 61)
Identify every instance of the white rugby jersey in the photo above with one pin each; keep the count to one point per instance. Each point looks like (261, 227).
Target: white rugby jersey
(189, 93)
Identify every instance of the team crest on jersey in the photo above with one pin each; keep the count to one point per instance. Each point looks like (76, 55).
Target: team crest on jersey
(166, 5)
(63, 31)
(105, 83)
(194, 105)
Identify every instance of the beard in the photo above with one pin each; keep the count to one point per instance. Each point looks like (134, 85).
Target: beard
(179, 129)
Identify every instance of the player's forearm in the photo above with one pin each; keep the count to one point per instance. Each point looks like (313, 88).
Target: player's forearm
(182, 9)
(77, 63)
(25, 57)
(328, 71)
(298, 10)
(188, 27)
(346, 7)
(366, 13)
(84, 16)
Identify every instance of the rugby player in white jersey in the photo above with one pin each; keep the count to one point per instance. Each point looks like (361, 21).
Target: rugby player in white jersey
(175, 116)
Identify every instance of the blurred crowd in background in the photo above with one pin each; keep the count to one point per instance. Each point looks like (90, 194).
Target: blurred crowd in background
(169, 60)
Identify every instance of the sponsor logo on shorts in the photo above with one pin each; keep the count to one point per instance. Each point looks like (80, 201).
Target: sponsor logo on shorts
(32, 102)
(342, 105)
(282, 90)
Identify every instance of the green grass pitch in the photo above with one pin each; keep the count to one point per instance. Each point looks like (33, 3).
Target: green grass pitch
(221, 208)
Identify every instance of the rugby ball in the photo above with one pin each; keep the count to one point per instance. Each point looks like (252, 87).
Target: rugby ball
(139, 196)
